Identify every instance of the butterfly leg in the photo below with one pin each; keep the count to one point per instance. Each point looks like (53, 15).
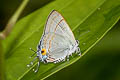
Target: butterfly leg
(31, 63)
(45, 61)
(67, 57)
(36, 70)
(78, 51)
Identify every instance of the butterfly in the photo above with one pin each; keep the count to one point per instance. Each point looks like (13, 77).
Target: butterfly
(57, 42)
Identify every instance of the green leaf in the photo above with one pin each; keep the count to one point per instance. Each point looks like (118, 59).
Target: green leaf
(90, 20)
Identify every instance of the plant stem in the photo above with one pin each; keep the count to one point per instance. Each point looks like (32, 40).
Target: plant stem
(1, 63)
(13, 20)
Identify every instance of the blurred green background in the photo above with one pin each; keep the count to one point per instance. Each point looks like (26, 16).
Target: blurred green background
(102, 61)
(8, 7)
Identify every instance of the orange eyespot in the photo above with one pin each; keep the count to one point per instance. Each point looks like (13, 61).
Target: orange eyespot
(43, 51)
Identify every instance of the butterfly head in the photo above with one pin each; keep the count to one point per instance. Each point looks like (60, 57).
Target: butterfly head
(42, 54)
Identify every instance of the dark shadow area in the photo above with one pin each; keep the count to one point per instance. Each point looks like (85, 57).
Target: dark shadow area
(8, 7)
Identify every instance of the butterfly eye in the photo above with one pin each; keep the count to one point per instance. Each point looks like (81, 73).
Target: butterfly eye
(43, 52)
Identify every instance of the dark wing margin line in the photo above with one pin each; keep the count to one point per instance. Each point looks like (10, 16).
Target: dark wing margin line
(47, 20)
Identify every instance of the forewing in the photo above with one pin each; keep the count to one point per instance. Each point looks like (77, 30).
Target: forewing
(57, 24)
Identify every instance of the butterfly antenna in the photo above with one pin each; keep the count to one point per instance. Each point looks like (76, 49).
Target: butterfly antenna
(33, 53)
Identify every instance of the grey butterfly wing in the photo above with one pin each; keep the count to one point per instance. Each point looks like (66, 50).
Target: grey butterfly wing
(57, 24)
(57, 37)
